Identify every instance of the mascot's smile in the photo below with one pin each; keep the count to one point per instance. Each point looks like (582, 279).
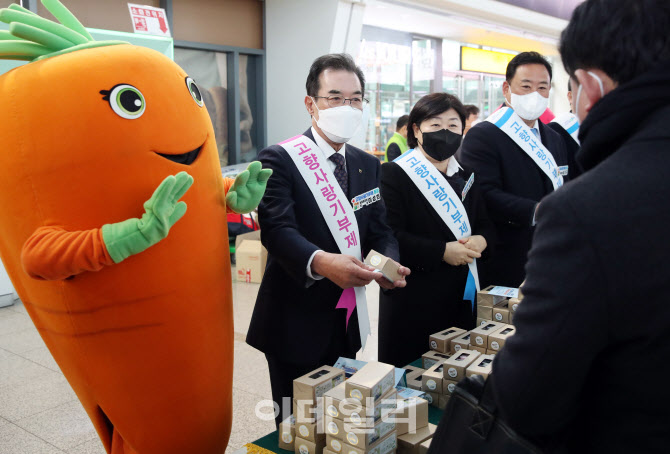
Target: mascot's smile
(184, 158)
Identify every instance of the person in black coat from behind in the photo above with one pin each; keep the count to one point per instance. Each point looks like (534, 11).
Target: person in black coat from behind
(433, 298)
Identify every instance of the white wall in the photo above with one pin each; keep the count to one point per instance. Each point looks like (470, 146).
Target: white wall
(297, 32)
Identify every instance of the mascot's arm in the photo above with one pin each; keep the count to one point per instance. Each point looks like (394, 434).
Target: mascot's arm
(53, 253)
(248, 188)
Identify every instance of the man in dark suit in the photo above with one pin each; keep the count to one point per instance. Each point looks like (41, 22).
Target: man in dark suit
(295, 322)
(561, 124)
(587, 368)
(512, 183)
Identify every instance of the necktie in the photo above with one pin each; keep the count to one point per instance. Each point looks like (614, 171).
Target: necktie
(340, 172)
(536, 132)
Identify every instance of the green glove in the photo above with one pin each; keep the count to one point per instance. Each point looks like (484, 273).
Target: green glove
(162, 210)
(247, 191)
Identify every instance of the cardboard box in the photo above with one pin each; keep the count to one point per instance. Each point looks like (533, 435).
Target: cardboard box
(501, 313)
(478, 349)
(386, 445)
(454, 367)
(334, 428)
(482, 321)
(414, 379)
(431, 380)
(309, 447)
(462, 342)
(352, 411)
(491, 352)
(433, 399)
(439, 342)
(511, 318)
(250, 257)
(448, 386)
(306, 411)
(316, 383)
(429, 359)
(444, 399)
(497, 340)
(328, 451)
(371, 382)
(334, 444)
(384, 264)
(409, 443)
(479, 337)
(287, 434)
(351, 366)
(485, 299)
(411, 414)
(425, 446)
(484, 312)
(364, 438)
(482, 366)
(310, 431)
(513, 304)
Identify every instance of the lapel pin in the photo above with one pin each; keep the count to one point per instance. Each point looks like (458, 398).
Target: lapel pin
(360, 170)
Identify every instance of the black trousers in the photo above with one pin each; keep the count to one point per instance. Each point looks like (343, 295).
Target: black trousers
(283, 373)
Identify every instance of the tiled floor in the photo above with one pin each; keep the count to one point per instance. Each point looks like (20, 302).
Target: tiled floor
(40, 414)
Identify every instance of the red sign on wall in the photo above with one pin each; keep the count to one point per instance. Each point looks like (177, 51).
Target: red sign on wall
(149, 20)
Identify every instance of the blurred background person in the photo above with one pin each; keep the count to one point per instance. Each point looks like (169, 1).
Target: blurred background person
(567, 125)
(433, 299)
(397, 144)
(512, 181)
(586, 370)
(471, 117)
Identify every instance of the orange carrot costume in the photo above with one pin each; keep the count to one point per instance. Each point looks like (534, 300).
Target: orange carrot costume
(135, 308)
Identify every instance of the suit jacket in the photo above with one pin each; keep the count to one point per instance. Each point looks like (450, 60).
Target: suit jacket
(291, 319)
(434, 287)
(571, 146)
(588, 365)
(512, 185)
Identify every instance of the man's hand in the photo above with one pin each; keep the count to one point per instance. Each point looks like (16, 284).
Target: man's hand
(247, 191)
(385, 283)
(345, 271)
(456, 254)
(475, 243)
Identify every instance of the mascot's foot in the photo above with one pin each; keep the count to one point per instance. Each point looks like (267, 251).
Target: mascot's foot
(119, 445)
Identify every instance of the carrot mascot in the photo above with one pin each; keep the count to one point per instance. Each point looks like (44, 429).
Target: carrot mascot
(113, 229)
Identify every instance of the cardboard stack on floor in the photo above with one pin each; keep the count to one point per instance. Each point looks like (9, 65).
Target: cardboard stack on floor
(499, 306)
(308, 419)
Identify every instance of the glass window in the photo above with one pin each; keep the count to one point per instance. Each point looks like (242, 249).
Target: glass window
(209, 70)
(248, 109)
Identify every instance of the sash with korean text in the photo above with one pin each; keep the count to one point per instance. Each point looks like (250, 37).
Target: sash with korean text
(512, 125)
(338, 214)
(444, 200)
(570, 123)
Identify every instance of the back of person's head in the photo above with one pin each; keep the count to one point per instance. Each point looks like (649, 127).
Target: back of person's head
(526, 58)
(623, 38)
(430, 106)
(402, 121)
(331, 61)
(471, 109)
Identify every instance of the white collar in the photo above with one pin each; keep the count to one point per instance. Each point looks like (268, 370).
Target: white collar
(453, 166)
(325, 146)
(535, 126)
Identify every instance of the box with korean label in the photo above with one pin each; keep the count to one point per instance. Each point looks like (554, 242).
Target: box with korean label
(310, 431)
(482, 366)
(370, 383)
(462, 342)
(363, 438)
(431, 380)
(501, 313)
(486, 299)
(307, 411)
(479, 337)
(439, 342)
(454, 367)
(513, 304)
(411, 414)
(287, 434)
(497, 340)
(388, 267)
(333, 444)
(334, 428)
(316, 383)
(432, 398)
(448, 386)
(482, 321)
(309, 447)
(336, 405)
(429, 359)
(386, 445)
(409, 443)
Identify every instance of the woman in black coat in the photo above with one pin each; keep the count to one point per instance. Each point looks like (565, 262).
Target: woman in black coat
(433, 298)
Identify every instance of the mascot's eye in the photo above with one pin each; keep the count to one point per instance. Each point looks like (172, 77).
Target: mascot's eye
(194, 90)
(127, 101)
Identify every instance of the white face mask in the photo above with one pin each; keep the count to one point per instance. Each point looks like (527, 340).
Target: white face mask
(529, 107)
(579, 93)
(339, 123)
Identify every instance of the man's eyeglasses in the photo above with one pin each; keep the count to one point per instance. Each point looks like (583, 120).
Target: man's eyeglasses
(337, 101)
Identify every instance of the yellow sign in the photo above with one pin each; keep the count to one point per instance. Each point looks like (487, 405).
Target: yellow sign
(484, 61)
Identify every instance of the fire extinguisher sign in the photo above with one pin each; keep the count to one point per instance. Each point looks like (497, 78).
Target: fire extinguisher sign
(149, 20)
